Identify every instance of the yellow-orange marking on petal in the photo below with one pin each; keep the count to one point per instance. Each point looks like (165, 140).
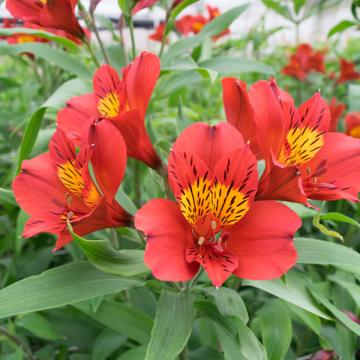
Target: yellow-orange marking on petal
(301, 146)
(109, 105)
(355, 132)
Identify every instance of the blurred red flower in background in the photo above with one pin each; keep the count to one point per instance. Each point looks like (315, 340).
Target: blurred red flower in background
(216, 223)
(57, 187)
(123, 102)
(304, 61)
(352, 124)
(336, 111)
(158, 33)
(347, 72)
(54, 14)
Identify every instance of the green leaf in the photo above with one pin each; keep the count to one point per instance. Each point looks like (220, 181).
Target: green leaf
(281, 10)
(121, 318)
(229, 302)
(103, 256)
(294, 291)
(213, 28)
(39, 326)
(335, 216)
(302, 211)
(229, 66)
(276, 329)
(125, 6)
(56, 100)
(298, 4)
(137, 353)
(319, 252)
(340, 27)
(60, 286)
(352, 288)
(106, 343)
(7, 197)
(174, 318)
(125, 201)
(341, 316)
(310, 320)
(70, 45)
(47, 52)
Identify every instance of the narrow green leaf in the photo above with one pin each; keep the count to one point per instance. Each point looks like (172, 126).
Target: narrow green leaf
(174, 318)
(125, 201)
(70, 45)
(229, 302)
(60, 286)
(121, 318)
(352, 288)
(339, 218)
(340, 27)
(39, 326)
(294, 291)
(103, 256)
(298, 4)
(277, 7)
(341, 316)
(56, 100)
(303, 211)
(310, 320)
(276, 329)
(106, 343)
(55, 56)
(7, 197)
(319, 252)
(229, 66)
(137, 353)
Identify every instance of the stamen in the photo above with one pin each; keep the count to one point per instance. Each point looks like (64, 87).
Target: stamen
(201, 240)
(70, 215)
(213, 225)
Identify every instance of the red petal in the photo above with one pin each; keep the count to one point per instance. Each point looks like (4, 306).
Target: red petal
(282, 184)
(263, 241)
(219, 265)
(168, 235)
(140, 78)
(210, 143)
(238, 109)
(335, 170)
(76, 118)
(108, 157)
(142, 4)
(315, 113)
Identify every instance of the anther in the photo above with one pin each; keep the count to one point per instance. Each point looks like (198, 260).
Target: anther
(70, 215)
(201, 240)
(213, 224)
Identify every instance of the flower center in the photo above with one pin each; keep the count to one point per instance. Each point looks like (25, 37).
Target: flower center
(109, 106)
(301, 146)
(355, 132)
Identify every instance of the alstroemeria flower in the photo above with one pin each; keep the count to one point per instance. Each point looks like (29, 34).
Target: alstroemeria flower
(52, 14)
(57, 187)
(303, 159)
(304, 61)
(215, 221)
(352, 124)
(192, 24)
(123, 102)
(347, 72)
(158, 33)
(336, 110)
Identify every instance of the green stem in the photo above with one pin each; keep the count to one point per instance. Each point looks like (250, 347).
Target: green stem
(14, 339)
(92, 55)
(132, 35)
(97, 35)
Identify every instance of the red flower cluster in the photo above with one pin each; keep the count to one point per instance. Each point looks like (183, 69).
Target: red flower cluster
(336, 111)
(304, 61)
(347, 72)
(192, 24)
(158, 33)
(53, 15)
(224, 218)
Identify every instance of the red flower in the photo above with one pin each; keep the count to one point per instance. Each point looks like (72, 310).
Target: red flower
(52, 14)
(304, 61)
(215, 222)
(192, 24)
(336, 110)
(142, 4)
(303, 159)
(352, 124)
(347, 72)
(158, 33)
(120, 101)
(57, 186)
